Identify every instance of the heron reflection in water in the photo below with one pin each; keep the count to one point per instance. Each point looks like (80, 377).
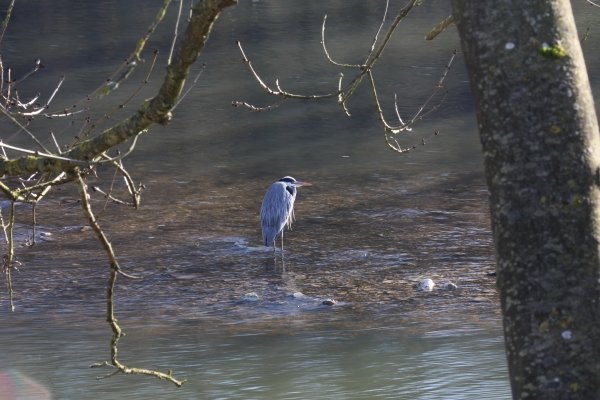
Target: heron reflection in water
(277, 209)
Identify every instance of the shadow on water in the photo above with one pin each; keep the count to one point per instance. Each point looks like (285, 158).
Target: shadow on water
(373, 225)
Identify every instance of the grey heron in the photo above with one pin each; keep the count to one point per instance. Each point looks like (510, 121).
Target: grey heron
(277, 209)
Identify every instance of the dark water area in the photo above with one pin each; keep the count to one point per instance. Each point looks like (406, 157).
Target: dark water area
(374, 224)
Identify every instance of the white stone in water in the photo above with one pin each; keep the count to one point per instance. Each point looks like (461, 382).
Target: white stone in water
(450, 286)
(248, 297)
(566, 335)
(425, 284)
(299, 295)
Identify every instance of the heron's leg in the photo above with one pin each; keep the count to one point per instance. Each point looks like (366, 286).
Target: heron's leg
(282, 264)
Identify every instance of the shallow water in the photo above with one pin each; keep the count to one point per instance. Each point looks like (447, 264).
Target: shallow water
(374, 224)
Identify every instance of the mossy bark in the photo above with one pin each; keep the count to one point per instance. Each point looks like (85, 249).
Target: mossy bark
(155, 110)
(539, 136)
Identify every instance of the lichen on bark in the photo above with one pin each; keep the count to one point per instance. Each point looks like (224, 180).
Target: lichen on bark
(541, 148)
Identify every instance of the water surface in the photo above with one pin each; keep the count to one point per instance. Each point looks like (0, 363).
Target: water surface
(374, 224)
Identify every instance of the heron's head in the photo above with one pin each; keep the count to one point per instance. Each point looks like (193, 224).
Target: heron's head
(289, 181)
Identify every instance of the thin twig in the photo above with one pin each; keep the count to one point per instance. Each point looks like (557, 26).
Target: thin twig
(59, 180)
(47, 103)
(337, 64)
(190, 88)
(280, 92)
(417, 117)
(258, 109)
(136, 194)
(175, 34)
(368, 66)
(592, 3)
(38, 66)
(31, 135)
(387, 3)
(134, 57)
(10, 253)
(398, 112)
(65, 113)
(30, 102)
(142, 42)
(108, 196)
(120, 107)
(55, 142)
(5, 23)
(584, 38)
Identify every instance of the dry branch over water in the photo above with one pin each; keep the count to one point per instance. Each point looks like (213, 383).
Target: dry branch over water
(46, 169)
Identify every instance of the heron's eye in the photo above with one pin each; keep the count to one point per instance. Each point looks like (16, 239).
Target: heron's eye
(287, 179)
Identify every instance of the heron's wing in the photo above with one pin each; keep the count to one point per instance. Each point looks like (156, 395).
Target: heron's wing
(275, 212)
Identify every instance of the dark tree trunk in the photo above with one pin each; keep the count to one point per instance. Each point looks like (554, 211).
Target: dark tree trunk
(541, 148)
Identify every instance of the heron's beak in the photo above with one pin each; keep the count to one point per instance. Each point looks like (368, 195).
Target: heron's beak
(302, 184)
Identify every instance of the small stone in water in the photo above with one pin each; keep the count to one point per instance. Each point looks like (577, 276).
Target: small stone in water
(329, 302)
(449, 286)
(299, 295)
(45, 234)
(425, 284)
(248, 297)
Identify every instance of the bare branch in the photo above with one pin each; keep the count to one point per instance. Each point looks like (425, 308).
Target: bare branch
(59, 180)
(65, 113)
(38, 66)
(592, 3)
(5, 23)
(439, 28)
(134, 57)
(258, 109)
(47, 103)
(387, 3)
(155, 110)
(367, 67)
(191, 86)
(136, 194)
(31, 135)
(280, 92)
(108, 196)
(8, 257)
(416, 117)
(114, 270)
(120, 107)
(142, 42)
(30, 103)
(398, 112)
(175, 34)
(327, 53)
(44, 155)
(584, 38)
(72, 160)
